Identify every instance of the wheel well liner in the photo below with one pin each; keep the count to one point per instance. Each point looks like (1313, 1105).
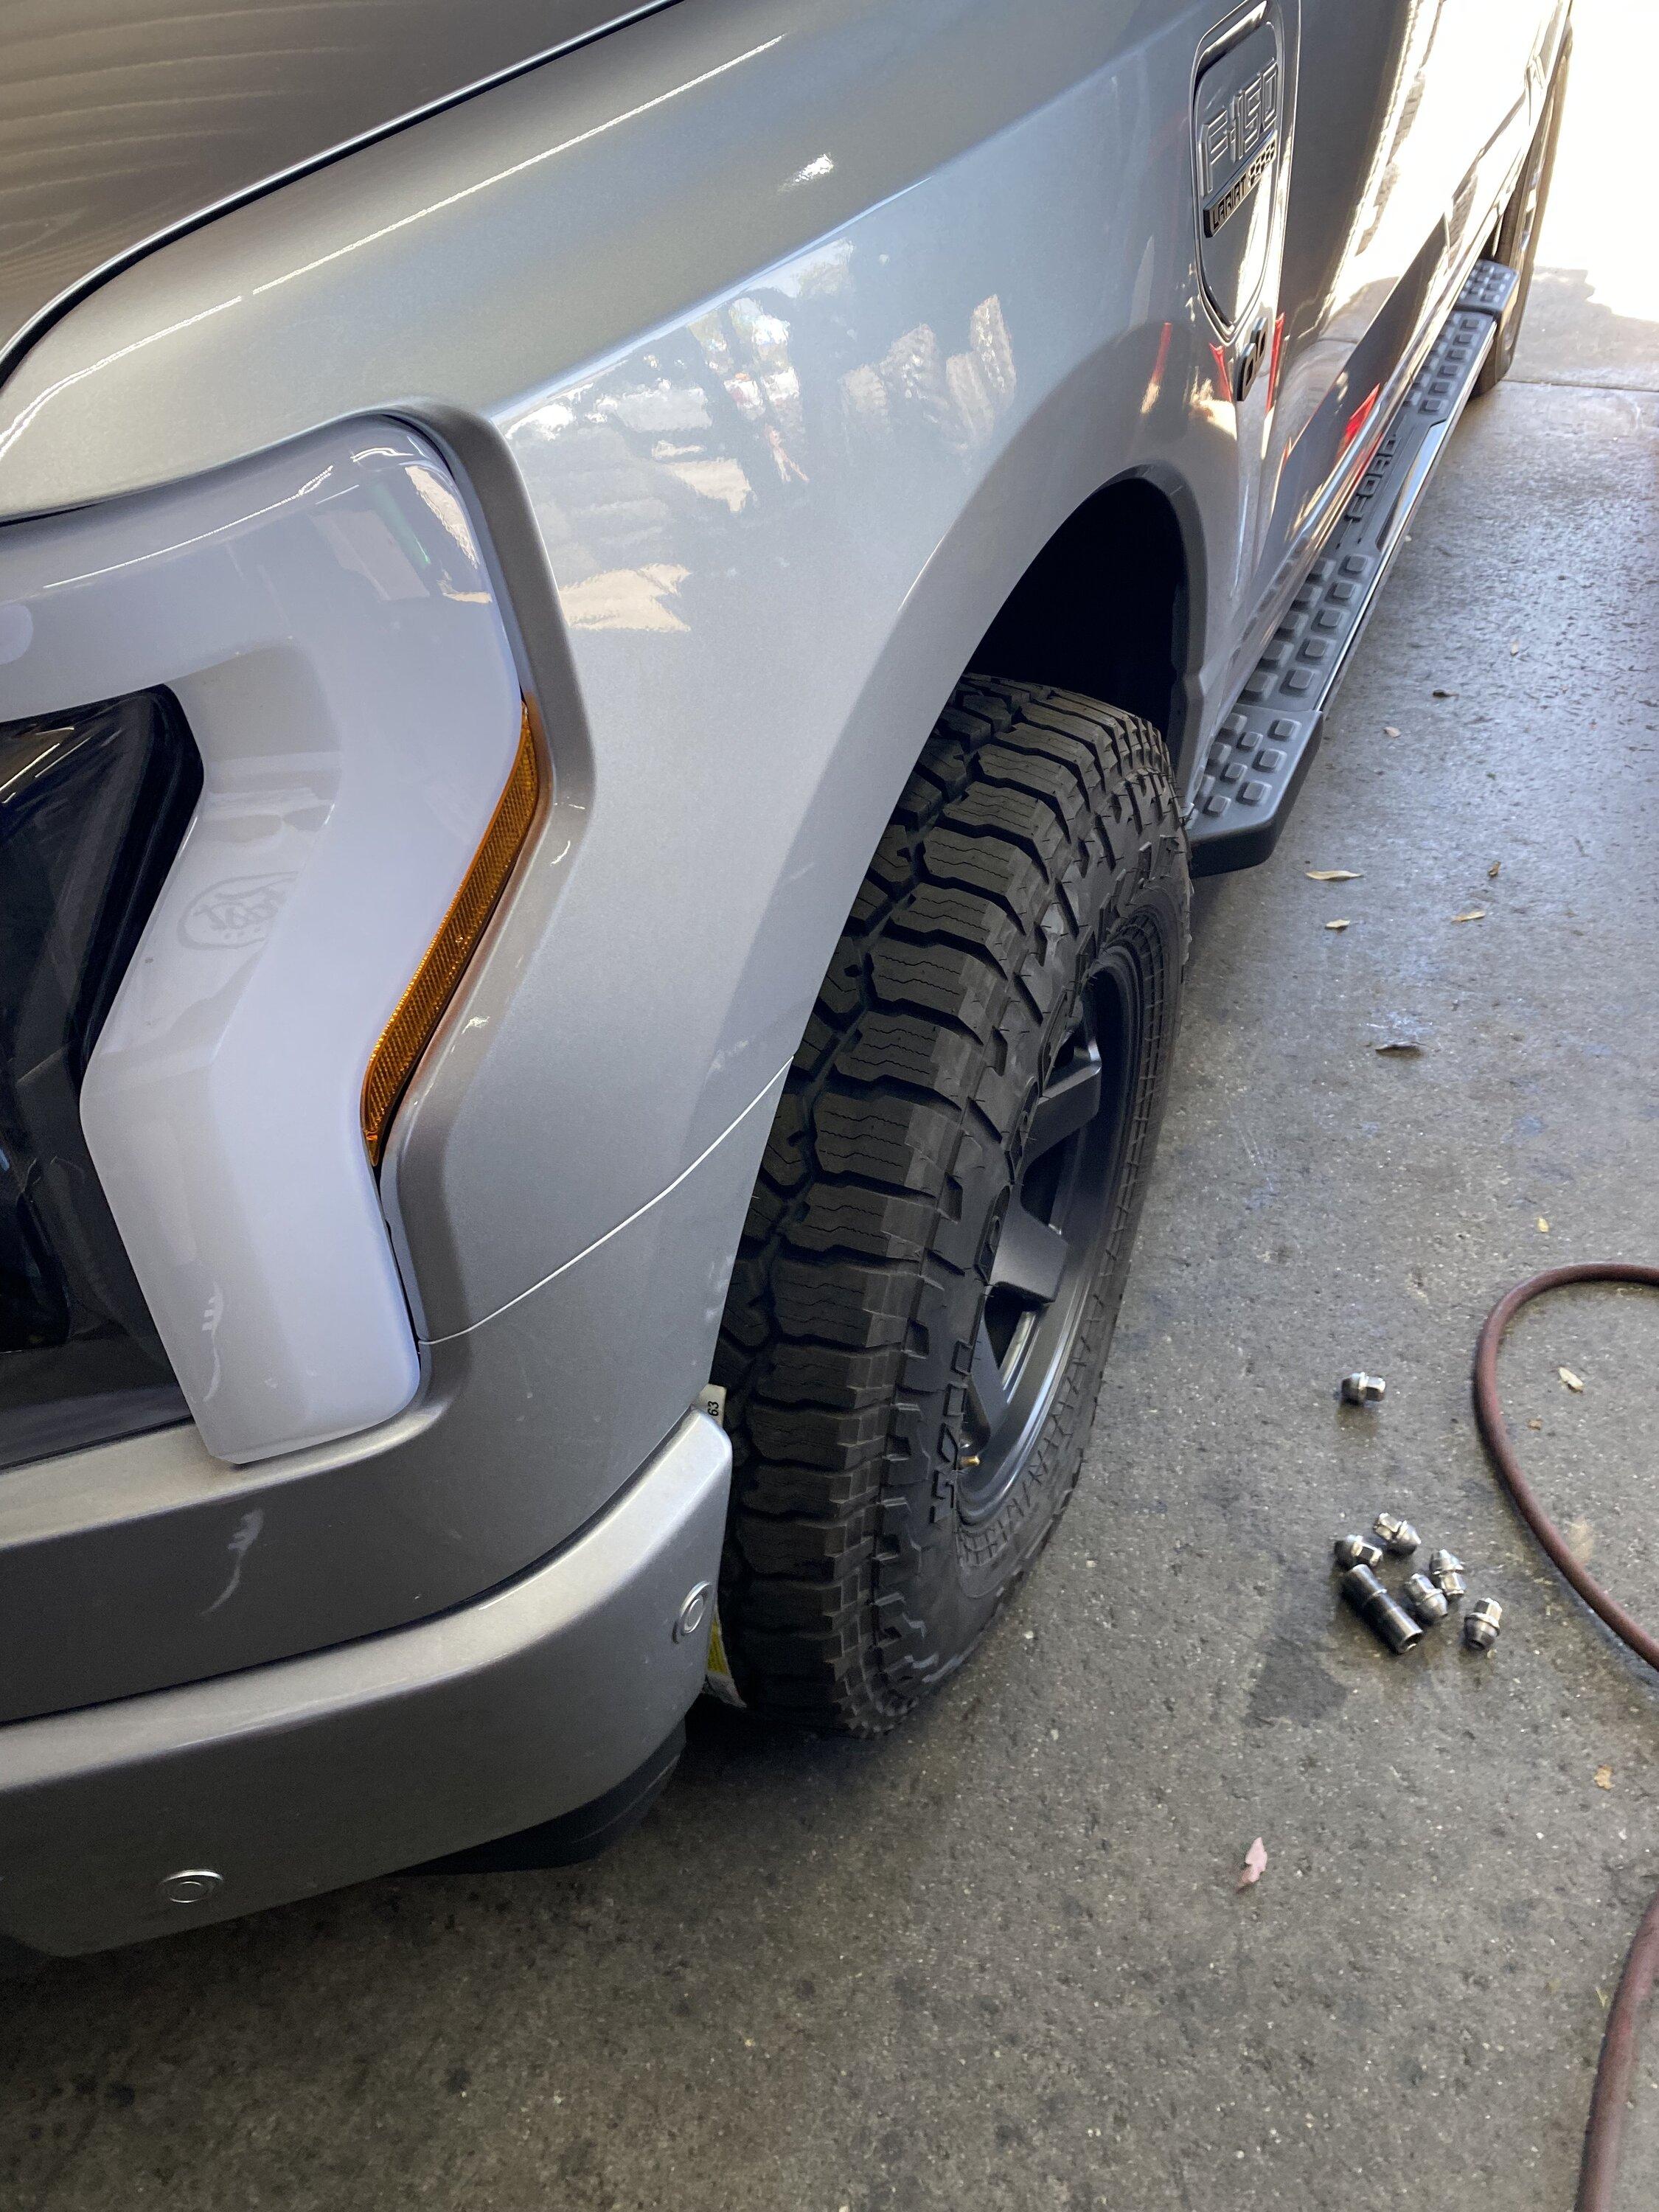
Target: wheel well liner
(1104, 608)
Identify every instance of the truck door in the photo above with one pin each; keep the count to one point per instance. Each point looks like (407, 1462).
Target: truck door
(1405, 117)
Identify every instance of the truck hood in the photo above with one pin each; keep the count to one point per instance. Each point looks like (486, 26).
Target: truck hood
(123, 122)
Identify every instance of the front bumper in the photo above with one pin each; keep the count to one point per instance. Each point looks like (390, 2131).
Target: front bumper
(287, 1780)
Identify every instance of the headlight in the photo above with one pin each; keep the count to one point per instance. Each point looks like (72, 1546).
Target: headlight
(322, 623)
(92, 805)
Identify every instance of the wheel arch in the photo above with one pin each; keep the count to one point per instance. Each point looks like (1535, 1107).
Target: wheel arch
(1126, 547)
(1085, 470)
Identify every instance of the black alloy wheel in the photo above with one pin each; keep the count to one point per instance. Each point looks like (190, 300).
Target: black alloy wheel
(1049, 1249)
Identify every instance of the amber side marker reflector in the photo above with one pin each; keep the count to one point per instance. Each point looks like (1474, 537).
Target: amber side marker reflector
(409, 1032)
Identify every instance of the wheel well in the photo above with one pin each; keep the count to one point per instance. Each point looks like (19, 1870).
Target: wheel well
(1103, 608)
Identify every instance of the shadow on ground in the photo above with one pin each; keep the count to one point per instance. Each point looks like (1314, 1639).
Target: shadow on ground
(1570, 337)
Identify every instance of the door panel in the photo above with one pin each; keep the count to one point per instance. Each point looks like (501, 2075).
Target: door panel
(1409, 114)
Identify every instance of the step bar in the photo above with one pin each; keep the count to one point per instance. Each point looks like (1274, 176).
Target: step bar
(1264, 748)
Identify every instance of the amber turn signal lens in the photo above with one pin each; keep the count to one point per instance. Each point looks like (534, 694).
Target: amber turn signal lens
(409, 1032)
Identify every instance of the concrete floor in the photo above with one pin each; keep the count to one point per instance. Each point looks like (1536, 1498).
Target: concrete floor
(999, 1960)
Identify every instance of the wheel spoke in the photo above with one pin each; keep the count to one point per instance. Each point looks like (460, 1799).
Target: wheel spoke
(985, 1385)
(1070, 1102)
(1031, 1257)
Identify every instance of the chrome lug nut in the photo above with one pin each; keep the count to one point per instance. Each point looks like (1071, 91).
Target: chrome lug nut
(1357, 1552)
(1378, 1610)
(1446, 1573)
(1397, 1536)
(1361, 1389)
(1480, 1628)
(1425, 1600)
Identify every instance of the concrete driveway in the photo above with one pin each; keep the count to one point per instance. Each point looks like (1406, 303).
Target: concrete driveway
(999, 1960)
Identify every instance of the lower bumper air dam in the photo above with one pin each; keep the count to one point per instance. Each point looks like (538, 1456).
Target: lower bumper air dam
(559, 1694)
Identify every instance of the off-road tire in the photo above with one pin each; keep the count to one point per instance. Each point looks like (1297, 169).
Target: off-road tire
(1038, 836)
(1515, 243)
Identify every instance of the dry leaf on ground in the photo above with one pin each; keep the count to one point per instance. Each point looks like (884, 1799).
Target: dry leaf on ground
(1255, 1866)
(1573, 1382)
(1471, 914)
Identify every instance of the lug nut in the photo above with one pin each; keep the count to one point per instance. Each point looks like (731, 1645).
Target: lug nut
(1362, 1390)
(1357, 1552)
(1481, 1625)
(1425, 1600)
(1378, 1610)
(1446, 1573)
(1398, 1536)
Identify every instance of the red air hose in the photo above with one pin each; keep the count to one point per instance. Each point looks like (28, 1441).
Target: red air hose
(1600, 2171)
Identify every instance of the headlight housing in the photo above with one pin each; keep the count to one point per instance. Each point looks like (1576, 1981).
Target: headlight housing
(92, 806)
(322, 620)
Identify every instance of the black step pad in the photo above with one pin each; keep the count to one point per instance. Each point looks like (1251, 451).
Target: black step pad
(1264, 747)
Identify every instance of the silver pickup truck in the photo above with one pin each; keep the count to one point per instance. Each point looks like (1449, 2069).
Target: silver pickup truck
(621, 629)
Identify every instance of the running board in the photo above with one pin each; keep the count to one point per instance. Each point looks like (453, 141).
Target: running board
(1263, 748)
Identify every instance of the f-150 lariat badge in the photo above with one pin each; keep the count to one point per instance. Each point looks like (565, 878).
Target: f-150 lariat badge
(1238, 127)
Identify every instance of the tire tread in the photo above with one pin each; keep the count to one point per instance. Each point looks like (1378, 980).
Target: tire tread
(965, 928)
